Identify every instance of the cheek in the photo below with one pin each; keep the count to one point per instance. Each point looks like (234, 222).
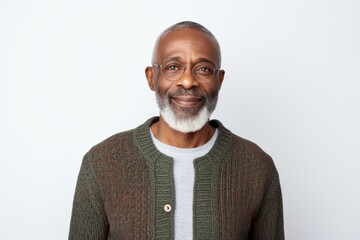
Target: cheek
(162, 86)
(212, 89)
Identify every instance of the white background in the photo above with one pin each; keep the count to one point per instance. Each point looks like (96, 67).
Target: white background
(72, 74)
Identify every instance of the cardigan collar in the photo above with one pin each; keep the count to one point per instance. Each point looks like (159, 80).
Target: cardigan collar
(143, 139)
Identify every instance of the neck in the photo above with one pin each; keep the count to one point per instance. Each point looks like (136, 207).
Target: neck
(164, 133)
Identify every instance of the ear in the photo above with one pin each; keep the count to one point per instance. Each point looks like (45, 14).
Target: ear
(221, 77)
(149, 73)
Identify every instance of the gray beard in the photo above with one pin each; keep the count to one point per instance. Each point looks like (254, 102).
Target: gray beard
(186, 124)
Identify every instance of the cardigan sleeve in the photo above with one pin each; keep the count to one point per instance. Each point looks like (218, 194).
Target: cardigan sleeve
(268, 223)
(88, 219)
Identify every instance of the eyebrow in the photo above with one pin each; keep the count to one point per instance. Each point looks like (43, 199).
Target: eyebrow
(178, 59)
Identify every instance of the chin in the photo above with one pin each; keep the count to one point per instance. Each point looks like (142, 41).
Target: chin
(186, 120)
(185, 124)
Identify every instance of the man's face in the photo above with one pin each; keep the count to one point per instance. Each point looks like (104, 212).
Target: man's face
(186, 100)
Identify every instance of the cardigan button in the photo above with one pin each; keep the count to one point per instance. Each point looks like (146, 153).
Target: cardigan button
(167, 207)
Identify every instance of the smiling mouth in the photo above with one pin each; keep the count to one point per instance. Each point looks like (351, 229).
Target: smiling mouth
(187, 101)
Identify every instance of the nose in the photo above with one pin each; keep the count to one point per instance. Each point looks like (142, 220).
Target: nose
(187, 80)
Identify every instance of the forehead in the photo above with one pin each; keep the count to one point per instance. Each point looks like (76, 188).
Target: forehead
(187, 45)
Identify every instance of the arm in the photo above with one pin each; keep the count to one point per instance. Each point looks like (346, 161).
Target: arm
(268, 223)
(88, 220)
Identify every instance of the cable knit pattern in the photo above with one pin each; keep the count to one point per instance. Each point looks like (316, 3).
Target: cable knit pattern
(125, 182)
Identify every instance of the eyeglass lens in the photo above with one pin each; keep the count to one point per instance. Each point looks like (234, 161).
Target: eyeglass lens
(202, 71)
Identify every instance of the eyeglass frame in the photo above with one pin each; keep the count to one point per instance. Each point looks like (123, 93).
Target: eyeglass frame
(183, 71)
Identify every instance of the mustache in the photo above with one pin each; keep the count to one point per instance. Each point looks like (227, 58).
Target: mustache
(189, 92)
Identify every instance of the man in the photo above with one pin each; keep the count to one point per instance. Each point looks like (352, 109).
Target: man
(179, 175)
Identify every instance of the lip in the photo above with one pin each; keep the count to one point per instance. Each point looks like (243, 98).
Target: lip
(187, 101)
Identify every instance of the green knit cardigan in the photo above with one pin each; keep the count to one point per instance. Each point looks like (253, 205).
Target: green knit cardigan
(125, 190)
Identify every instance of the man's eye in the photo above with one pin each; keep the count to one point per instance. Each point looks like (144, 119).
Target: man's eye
(172, 68)
(203, 69)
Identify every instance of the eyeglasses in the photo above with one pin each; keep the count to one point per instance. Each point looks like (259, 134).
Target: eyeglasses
(202, 71)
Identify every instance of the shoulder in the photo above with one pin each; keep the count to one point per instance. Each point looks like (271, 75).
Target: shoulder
(247, 154)
(120, 145)
(118, 142)
(248, 148)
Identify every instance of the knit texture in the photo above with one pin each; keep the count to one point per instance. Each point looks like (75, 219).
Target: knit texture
(125, 182)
